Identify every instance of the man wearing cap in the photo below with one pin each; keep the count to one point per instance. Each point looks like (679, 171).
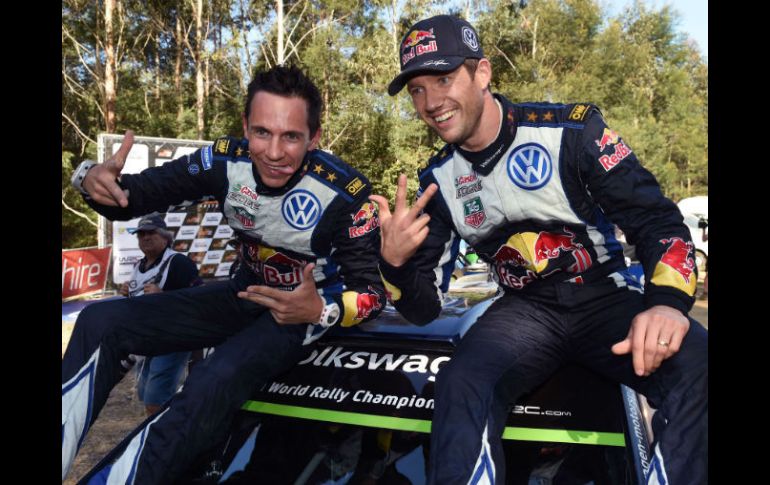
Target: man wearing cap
(308, 239)
(537, 189)
(161, 269)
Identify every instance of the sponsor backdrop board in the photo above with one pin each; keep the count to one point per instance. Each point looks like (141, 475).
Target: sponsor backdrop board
(200, 232)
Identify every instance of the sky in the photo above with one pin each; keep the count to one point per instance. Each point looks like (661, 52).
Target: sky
(693, 17)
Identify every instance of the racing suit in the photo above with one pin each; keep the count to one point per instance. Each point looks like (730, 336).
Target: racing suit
(540, 205)
(322, 215)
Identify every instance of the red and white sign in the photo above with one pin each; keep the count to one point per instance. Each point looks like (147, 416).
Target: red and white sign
(83, 271)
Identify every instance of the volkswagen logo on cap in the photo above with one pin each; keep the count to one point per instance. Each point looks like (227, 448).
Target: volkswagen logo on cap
(469, 37)
(301, 209)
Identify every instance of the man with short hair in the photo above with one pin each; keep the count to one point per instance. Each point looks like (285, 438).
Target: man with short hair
(536, 189)
(308, 238)
(161, 269)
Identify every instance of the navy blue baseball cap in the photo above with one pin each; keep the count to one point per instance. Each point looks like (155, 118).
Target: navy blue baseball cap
(437, 44)
(151, 222)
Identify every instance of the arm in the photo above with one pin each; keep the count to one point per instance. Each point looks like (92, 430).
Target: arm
(121, 197)
(417, 253)
(631, 197)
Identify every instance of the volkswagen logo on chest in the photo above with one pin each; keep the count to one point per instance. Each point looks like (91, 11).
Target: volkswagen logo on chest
(530, 166)
(301, 209)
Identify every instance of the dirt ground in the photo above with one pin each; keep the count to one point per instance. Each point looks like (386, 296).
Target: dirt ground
(123, 412)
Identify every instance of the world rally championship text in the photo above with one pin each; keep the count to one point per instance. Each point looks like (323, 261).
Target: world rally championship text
(339, 395)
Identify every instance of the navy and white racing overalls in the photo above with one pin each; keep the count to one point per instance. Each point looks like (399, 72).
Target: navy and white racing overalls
(322, 216)
(540, 205)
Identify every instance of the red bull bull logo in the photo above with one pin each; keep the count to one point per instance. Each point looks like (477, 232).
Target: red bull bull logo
(415, 37)
(275, 267)
(677, 266)
(549, 245)
(366, 214)
(609, 137)
(413, 44)
(533, 252)
(366, 304)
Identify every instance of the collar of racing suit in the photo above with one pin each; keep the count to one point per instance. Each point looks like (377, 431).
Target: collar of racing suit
(485, 160)
(263, 189)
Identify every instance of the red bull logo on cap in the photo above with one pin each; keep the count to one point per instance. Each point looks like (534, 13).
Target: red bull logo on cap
(676, 267)
(413, 46)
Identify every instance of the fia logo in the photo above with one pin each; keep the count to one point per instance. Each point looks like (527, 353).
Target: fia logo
(301, 209)
(529, 166)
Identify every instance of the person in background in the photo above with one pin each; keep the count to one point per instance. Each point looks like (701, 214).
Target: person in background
(161, 269)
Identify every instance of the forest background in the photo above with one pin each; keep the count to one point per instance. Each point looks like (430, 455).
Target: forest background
(179, 69)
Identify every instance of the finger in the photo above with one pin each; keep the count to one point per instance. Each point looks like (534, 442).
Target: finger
(674, 344)
(257, 298)
(637, 347)
(382, 206)
(422, 202)
(307, 274)
(273, 294)
(622, 347)
(400, 194)
(653, 351)
(104, 198)
(420, 223)
(422, 235)
(117, 194)
(122, 154)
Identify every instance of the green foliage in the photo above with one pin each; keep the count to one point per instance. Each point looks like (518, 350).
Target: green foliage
(76, 232)
(650, 83)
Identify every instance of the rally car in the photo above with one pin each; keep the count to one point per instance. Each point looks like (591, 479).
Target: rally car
(358, 410)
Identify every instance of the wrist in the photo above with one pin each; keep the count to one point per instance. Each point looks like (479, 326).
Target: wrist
(330, 313)
(79, 175)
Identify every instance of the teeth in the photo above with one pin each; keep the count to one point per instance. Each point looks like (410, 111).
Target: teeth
(445, 116)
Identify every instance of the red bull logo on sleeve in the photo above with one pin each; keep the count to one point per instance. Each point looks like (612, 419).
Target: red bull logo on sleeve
(367, 303)
(413, 46)
(620, 153)
(676, 267)
(608, 137)
(365, 220)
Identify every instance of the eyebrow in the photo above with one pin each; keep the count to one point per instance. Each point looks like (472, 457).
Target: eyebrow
(290, 132)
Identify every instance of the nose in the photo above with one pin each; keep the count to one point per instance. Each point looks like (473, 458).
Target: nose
(434, 99)
(274, 149)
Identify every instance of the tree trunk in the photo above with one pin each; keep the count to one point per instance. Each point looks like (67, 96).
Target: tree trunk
(279, 11)
(178, 66)
(199, 67)
(109, 68)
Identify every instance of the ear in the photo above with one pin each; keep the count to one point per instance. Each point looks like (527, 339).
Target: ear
(483, 73)
(314, 140)
(245, 125)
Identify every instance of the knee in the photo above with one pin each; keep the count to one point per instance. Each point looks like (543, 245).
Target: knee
(457, 380)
